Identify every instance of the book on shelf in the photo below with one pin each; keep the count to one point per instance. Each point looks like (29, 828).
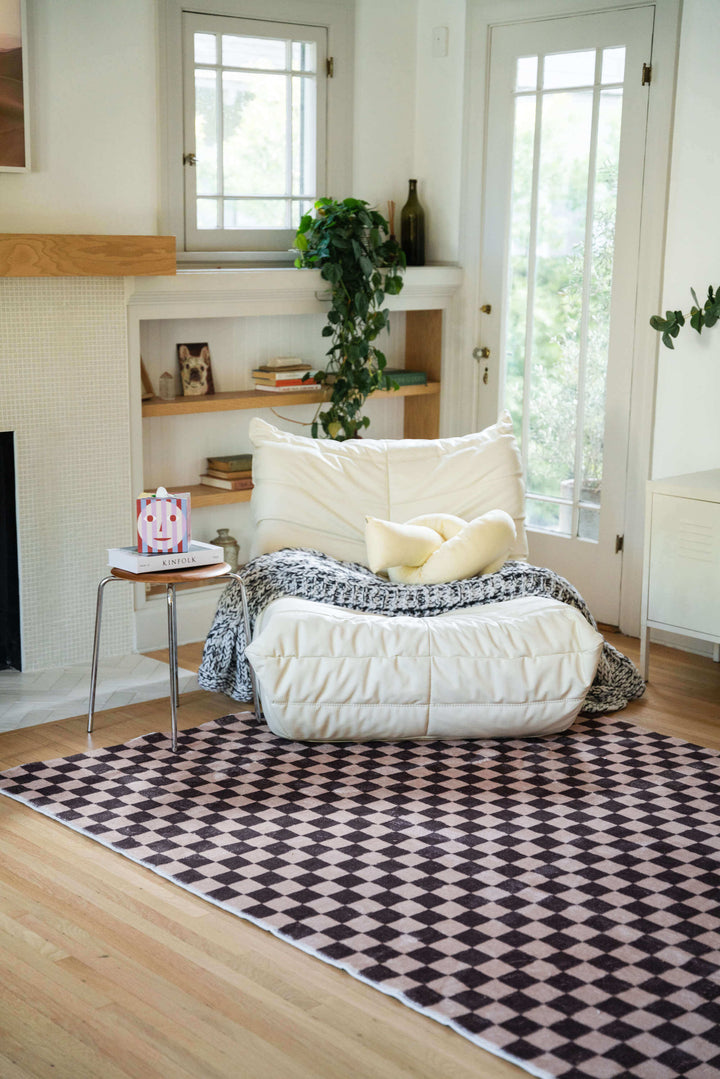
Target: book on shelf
(268, 374)
(243, 474)
(227, 485)
(233, 462)
(198, 554)
(405, 377)
(280, 387)
(284, 383)
(279, 363)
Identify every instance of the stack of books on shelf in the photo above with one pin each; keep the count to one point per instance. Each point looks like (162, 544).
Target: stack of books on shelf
(232, 473)
(284, 375)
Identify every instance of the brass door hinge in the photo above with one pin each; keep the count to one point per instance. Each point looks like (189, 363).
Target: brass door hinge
(189, 159)
(619, 544)
(330, 67)
(646, 75)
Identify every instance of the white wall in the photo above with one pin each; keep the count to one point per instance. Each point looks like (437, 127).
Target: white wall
(687, 431)
(93, 121)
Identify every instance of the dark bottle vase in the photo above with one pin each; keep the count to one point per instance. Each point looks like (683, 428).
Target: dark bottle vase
(412, 228)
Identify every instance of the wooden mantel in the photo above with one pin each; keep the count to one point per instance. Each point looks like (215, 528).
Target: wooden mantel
(45, 255)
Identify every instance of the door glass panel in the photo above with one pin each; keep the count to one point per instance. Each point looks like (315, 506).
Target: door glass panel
(205, 48)
(519, 254)
(562, 235)
(527, 68)
(255, 213)
(304, 56)
(601, 271)
(569, 69)
(253, 52)
(613, 65)
(555, 360)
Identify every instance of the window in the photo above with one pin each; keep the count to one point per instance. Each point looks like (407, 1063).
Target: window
(254, 131)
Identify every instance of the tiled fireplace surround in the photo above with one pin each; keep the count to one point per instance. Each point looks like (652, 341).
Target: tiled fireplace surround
(65, 395)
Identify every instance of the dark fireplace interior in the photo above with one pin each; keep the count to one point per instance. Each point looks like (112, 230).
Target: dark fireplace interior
(10, 653)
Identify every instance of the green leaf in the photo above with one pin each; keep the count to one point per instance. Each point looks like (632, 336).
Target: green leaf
(694, 296)
(667, 341)
(658, 322)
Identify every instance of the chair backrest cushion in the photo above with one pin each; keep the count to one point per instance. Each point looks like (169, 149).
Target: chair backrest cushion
(317, 493)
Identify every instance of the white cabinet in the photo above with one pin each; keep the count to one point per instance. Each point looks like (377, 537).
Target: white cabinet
(681, 575)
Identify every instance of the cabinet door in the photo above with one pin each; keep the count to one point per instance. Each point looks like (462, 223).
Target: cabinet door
(685, 564)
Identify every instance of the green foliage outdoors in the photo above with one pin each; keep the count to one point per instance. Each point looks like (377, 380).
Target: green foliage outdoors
(705, 315)
(350, 244)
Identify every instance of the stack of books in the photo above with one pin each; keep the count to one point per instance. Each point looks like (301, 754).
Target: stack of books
(232, 473)
(283, 375)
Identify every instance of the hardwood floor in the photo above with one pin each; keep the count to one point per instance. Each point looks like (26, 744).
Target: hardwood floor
(108, 972)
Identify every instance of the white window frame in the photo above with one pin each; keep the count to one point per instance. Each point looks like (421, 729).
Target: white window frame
(337, 17)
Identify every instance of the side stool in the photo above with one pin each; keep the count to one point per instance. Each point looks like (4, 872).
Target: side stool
(220, 571)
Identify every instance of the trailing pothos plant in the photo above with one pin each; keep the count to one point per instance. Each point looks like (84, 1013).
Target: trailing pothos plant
(706, 314)
(351, 246)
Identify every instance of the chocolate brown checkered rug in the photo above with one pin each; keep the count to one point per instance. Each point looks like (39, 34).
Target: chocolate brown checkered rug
(556, 901)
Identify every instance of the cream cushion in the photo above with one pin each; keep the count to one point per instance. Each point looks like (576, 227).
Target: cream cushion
(317, 493)
(509, 669)
(439, 547)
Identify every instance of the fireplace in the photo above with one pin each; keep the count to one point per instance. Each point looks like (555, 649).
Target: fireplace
(10, 651)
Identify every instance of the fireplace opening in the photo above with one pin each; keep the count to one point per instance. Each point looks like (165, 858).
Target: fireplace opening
(10, 650)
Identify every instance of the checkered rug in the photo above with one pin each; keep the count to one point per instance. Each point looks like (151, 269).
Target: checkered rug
(556, 901)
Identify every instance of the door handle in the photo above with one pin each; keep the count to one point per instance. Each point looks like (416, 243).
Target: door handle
(481, 353)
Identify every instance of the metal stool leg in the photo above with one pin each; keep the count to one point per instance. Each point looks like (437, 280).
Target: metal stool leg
(172, 656)
(96, 650)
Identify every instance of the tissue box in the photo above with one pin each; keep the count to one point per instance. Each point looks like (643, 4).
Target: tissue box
(163, 522)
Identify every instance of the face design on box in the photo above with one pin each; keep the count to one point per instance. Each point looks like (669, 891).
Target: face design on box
(164, 525)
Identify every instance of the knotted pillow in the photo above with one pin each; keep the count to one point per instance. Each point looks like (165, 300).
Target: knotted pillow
(438, 547)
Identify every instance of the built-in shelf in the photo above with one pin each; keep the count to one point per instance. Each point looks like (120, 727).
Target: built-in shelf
(241, 399)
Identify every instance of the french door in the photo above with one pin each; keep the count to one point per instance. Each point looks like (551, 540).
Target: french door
(566, 131)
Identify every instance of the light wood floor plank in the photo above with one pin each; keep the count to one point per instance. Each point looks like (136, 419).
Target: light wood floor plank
(109, 972)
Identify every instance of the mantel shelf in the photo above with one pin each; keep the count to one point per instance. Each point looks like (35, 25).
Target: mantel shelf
(243, 399)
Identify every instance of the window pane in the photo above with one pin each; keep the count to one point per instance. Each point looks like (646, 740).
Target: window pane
(613, 65)
(207, 214)
(206, 131)
(527, 67)
(557, 309)
(546, 515)
(256, 52)
(569, 69)
(255, 142)
(304, 109)
(205, 49)
(256, 214)
(522, 175)
(589, 524)
(304, 56)
(603, 244)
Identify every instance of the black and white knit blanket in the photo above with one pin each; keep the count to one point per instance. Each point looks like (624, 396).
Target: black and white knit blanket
(314, 576)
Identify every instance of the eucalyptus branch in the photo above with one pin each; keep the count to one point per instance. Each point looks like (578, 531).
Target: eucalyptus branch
(707, 315)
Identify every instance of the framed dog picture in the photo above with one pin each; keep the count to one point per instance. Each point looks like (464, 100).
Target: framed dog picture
(195, 369)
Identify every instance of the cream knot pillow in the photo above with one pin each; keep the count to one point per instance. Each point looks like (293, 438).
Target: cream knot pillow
(439, 547)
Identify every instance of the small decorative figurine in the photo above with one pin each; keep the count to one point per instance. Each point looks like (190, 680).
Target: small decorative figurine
(163, 522)
(195, 370)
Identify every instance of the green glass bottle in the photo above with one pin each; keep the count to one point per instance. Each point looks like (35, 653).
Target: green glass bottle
(412, 228)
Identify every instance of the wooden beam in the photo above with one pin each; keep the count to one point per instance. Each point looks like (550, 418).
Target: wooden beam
(43, 255)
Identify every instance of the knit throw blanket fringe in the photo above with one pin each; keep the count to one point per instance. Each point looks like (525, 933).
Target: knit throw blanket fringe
(314, 576)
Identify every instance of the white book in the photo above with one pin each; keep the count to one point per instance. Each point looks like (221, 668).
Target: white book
(200, 554)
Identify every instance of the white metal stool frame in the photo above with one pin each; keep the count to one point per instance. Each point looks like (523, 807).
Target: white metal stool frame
(172, 647)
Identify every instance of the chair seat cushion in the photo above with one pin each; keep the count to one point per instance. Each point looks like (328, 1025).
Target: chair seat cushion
(512, 669)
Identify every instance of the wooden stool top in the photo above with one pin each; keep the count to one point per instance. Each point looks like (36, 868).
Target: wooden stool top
(195, 573)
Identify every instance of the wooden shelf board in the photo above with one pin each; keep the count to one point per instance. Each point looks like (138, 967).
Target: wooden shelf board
(201, 494)
(242, 399)
(45, 255)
